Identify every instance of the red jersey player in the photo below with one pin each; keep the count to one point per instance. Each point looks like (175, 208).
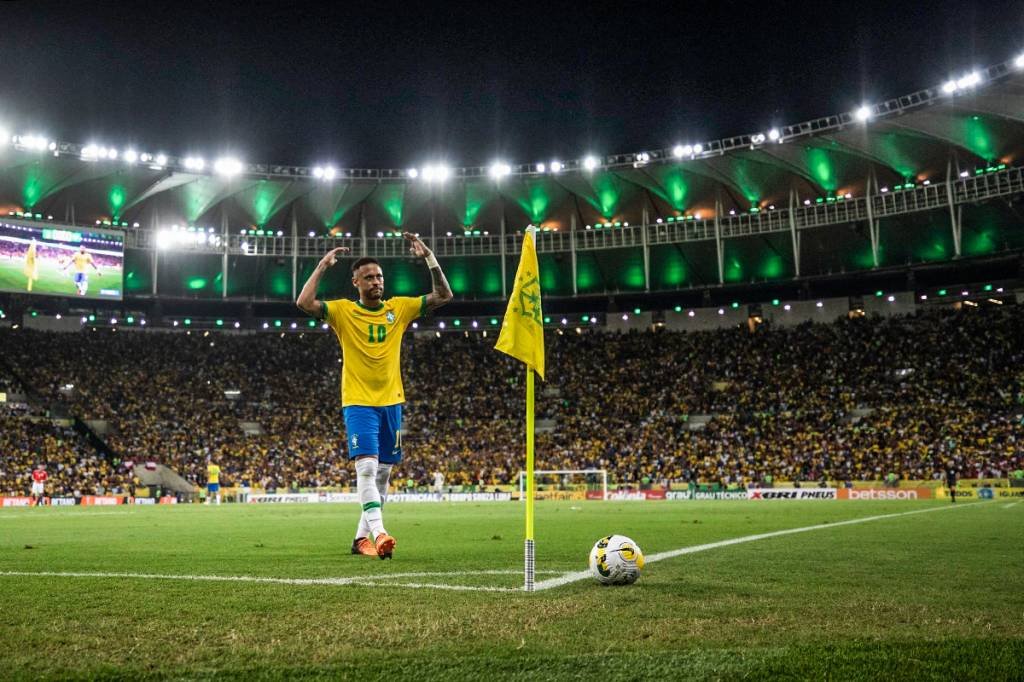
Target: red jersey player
(38, 484)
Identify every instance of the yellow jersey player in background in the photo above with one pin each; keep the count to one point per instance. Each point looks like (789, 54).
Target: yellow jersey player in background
(80, 259)
(370, 333)
(31, 269)
(212, 483)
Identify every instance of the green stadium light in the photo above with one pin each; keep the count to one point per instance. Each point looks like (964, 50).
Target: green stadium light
(220, 323)
(988, 287)
(735, 304)
(879, 293)
(92, 318)
(188, 321)
(775, 301)
(494, 321)
(636, 311)
(457, 323)
(942, 292)
(586, 318)
(277, 323)
(547, 320)
(130, 320)
(312, 323)
(678, 309)
(35, 313)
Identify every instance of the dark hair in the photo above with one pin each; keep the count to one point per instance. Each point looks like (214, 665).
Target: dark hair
(366, 260)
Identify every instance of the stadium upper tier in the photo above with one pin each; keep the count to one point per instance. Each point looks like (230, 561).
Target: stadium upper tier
(905, 181)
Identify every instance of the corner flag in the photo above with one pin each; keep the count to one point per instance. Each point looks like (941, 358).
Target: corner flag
(522, 332)
(522, 337)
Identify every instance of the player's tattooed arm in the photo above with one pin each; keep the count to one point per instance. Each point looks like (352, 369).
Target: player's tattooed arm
(307, 300)
(442, 291)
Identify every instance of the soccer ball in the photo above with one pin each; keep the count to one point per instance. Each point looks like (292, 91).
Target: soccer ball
(616, 560)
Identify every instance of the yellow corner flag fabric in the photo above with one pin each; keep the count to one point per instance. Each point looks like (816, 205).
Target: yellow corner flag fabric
(522, 333)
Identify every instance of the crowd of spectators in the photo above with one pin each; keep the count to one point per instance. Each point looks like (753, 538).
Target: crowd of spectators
(73, 466)
(857, 399)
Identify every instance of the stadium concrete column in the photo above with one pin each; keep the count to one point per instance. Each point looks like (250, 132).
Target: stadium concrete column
(363, 246)
(502, 251)
(794, 235)
(869, 199)
(718, 240)
(647, 252)
(156, 249)
(954, 223)
(572, 251)
(224, 256)
(295, 254)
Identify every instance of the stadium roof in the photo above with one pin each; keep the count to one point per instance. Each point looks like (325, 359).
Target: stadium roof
(814, 198)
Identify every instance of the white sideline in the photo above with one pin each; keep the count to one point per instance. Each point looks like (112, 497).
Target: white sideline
(1012, 504)
(583, 575)
(381, 580)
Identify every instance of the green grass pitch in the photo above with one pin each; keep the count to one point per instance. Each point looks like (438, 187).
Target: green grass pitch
(52, 280)
(933, 595)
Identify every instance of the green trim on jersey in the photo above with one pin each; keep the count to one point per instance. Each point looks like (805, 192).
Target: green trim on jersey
(423, 305)
(366, 307)
(323, 310)
(371, 505)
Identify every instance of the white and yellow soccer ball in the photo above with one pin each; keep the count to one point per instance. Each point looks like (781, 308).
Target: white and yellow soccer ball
(616, 560)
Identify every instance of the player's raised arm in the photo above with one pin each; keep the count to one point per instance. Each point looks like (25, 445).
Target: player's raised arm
(307, 301)
(442, 292)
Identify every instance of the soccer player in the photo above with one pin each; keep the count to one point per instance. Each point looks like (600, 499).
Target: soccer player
(31, 269)
(951, 481)
(212, 483)
(370, 333)
(80, 259)
(39, 477)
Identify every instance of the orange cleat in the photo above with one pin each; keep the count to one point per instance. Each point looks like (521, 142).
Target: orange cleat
(385, 545)
(363, 546)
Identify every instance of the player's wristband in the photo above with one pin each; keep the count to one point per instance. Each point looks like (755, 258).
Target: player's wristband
(431, 262)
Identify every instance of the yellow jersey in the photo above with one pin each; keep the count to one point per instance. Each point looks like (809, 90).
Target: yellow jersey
(371, 345)
(81, 260)
(212, 473)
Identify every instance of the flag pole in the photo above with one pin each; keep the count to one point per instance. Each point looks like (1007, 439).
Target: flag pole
(529, 565)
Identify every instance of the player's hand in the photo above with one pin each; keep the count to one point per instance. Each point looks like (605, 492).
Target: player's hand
(416, 247)
(332, 256)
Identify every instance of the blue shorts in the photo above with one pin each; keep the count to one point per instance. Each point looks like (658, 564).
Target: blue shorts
(374, 431)
(79, 277)
(213, 487)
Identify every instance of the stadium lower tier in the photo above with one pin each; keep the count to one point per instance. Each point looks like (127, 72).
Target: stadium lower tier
(857, 399)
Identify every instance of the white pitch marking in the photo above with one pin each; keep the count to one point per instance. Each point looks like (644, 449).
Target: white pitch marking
(1012, 504)
(576, 576)
(363, 581)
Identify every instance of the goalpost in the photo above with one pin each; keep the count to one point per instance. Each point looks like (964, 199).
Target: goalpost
(603, 473)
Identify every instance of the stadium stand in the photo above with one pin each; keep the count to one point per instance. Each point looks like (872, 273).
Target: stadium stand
(856, 399)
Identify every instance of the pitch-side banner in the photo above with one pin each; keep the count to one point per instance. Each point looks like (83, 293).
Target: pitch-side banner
(792, 494)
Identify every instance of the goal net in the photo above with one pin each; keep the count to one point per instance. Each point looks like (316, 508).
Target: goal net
(567, 480)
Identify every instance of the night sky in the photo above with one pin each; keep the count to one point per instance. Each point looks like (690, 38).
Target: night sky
(304, 84)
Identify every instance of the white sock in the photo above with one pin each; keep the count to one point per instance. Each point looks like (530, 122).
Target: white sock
(383, 477)
(369, 496)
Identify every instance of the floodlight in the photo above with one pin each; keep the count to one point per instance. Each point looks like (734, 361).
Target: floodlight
(318, 172)
(130, 156)
(757, 138)
(541, 168)
(969, 81)
(863, 113)
(227, 166)
(949, 87)
(590, 163)
(194, 163)
(697, 148)
(90, 152)
(1019, 62)
(679, 151)
(413, 173)
(556, 166)
(774, 134)
(330, 173)
(499, 169)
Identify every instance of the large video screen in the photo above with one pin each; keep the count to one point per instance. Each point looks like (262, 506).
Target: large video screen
(62, 261)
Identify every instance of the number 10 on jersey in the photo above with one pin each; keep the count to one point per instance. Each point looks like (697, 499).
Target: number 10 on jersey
(377, 333)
